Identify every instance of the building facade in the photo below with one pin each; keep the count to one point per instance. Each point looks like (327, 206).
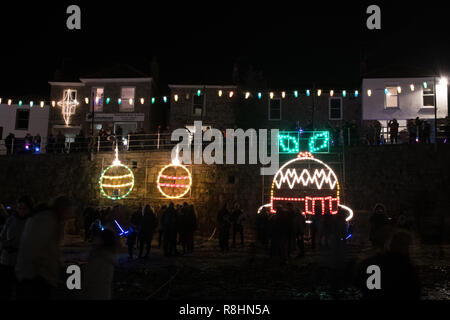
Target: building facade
(20, 120)
(225, 107)
(404, 99)
(101, 103)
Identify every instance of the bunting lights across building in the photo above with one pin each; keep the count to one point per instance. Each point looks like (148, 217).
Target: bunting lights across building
(230, 94)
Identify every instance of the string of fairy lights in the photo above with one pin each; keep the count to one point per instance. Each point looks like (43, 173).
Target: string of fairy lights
(259, 95)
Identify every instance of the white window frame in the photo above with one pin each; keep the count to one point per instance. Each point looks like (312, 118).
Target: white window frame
(203, 106)
(93, 97)
(429, 95)
(270, 100)
(29, 116)
(73, 90)
(341, 108)
(125, 100)
(396, 95)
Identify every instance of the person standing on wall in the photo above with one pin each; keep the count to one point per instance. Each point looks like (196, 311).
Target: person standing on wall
(393, 130)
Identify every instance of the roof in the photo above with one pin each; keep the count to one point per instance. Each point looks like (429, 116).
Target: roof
(117, 71)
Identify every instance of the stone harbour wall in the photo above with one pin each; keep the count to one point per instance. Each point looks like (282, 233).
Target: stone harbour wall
(410, 180)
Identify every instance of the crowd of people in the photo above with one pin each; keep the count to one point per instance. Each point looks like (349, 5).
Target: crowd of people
(230, 220)
(174, 224)
(347, 133)
(417, 131)
(284, 232)
(30, 240)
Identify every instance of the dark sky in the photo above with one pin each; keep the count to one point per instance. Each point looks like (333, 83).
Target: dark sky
(200, 41)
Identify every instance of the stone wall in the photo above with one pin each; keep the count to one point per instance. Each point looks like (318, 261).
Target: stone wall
(407, 179)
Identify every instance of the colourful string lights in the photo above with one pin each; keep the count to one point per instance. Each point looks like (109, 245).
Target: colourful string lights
(166, 182)
(116, 181)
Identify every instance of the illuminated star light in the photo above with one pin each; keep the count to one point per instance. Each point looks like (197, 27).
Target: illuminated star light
(68, 105)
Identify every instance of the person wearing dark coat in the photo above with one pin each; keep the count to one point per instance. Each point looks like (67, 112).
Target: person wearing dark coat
(9, 141)
(135, 225)
(223, 226)
(148, 226)
(50, 146)
(237, 217)
(169, 225)
(191, 226)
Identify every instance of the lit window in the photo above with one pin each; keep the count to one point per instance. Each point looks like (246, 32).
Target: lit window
(274, 109)
(198, 104)
(391, 97)
(126, 95)
(97, 99)
(335, 108)
(428, 97)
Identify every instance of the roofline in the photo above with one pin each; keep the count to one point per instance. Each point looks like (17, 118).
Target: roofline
(66, 84)
(202, 86)
(402, 77)
(109, 80)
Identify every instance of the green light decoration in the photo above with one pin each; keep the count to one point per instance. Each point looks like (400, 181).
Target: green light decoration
(199, 92)
(153, 100)
(20, 103)
(287, 148)
(325, 136)
(108, 100)
(296, 94)
(116, 181)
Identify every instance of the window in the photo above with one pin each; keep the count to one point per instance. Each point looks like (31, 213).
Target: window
(71, 93)
(22, 119)
(198, 104)
(275, 109)
(335, 111)
(428, 97)
(97, 99)
(127, 94)
(391, 97)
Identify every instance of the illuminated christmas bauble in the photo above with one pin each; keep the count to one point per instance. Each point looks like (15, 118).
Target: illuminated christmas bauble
(174, 181)
(116, 181)
(308, 183)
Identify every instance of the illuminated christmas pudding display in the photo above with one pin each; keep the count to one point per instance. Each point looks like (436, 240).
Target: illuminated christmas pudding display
(174, 180)
(116, 181)
(309, 184)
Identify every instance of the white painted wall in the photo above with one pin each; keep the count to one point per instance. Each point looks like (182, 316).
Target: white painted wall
(410, 102)
(38, 122)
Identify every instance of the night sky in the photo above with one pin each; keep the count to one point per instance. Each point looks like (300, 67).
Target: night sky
(198, 42)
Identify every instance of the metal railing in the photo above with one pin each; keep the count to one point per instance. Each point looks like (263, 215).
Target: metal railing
(162, 141)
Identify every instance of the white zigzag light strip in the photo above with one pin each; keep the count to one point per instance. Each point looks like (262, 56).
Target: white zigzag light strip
(319, 178)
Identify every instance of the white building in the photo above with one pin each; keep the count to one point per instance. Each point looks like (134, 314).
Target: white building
(21, 120)
(403, 99)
